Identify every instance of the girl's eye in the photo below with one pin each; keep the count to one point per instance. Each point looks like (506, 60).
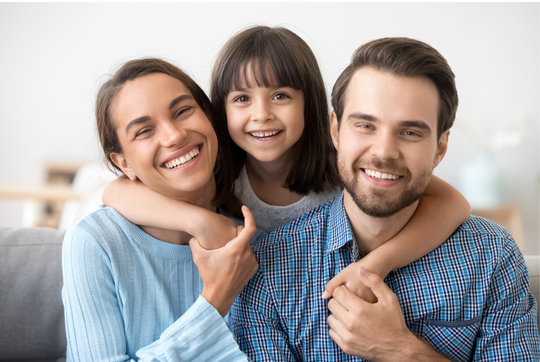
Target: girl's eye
(241, 99)
(281, 96)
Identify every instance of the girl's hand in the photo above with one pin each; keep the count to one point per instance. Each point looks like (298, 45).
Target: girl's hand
(213, 230)
(227, 270)
(349, 278)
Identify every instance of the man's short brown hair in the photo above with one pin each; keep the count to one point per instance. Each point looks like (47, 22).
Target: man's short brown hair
(403, 57)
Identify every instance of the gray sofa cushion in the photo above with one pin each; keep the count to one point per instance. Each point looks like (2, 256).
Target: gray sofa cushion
(31, 311)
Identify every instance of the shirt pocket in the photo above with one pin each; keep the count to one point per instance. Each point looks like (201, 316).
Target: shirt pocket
(455, 339)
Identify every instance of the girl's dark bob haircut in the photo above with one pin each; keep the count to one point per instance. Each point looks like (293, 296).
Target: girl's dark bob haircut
(108, 136)
(280, 58)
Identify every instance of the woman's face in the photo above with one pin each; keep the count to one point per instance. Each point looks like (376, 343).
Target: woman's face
(166, 138)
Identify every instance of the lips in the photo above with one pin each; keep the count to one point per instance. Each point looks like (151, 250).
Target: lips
(183, 160)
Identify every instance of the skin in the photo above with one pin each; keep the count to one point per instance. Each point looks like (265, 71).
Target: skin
(259, 109)
(376, 126)
(158, 120)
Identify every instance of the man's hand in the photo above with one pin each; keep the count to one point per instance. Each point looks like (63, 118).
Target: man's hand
(227, 270)
(376, 332)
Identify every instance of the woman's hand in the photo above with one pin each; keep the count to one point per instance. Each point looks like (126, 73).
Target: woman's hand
(227, 270)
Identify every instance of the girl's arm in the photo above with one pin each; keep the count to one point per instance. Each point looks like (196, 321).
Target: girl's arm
(144, 206)
(439, 213)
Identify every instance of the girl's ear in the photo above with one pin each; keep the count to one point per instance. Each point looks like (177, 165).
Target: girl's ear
(334, 129)
(120, 161)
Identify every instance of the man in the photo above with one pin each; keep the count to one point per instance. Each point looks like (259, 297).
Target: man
(467, 300)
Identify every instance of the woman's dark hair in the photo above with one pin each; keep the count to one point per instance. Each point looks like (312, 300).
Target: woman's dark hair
(403, 57)
(108, 135)
(280, 58)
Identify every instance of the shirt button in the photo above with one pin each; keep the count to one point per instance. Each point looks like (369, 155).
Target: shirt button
(349, 248)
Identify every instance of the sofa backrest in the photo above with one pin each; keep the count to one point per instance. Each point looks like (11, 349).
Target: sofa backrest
(31, 311)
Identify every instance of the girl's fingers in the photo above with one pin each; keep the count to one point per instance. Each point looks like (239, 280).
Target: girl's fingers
(332, 285)
(376, 284)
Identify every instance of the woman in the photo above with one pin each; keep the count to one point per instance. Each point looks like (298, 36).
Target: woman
(135, 293)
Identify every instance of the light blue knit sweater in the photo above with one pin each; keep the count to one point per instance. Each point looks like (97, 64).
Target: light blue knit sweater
(128, 296)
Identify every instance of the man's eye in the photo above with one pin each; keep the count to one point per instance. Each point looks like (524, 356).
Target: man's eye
(410, 133)
(364, 126)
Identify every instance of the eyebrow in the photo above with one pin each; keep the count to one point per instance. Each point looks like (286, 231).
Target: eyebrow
(179, 99)
(136, 121)
(143, 119)
(409, 123)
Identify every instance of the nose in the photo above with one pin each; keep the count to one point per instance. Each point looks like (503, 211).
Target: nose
(385, 146)
(172, 134)
(262, 111)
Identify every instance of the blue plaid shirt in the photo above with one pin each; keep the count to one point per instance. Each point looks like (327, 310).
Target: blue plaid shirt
(469, 298)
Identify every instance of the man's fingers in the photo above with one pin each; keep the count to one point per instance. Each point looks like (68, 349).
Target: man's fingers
(332, 285)
(376, 284)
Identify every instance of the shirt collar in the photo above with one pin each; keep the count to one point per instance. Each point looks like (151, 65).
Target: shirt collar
(339, 229)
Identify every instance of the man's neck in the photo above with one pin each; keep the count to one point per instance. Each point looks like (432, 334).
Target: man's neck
(371, 232)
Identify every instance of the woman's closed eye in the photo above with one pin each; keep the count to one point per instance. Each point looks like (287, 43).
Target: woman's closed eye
(143, 132)
(184, 112)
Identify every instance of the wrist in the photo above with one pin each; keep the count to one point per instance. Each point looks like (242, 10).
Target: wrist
(217, 301)
(414, 349)
(376, 266)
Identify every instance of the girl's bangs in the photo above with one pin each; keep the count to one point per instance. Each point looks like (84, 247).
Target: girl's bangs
(267, 72)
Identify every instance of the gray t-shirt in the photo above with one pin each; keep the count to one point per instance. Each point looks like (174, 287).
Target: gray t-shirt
(269, 217)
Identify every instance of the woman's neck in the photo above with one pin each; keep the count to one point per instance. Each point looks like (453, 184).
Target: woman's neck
(267, 179)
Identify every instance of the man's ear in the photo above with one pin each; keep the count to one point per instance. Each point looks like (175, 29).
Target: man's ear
(120, 161)
(442, 147)
(334, 129)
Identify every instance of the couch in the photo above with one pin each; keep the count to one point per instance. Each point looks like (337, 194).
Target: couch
(31, 310)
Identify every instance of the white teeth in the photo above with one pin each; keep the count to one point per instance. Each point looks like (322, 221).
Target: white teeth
(381, 176)
(264, 134)
(183, 160)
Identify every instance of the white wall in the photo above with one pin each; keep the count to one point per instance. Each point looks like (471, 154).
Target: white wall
(54, 56)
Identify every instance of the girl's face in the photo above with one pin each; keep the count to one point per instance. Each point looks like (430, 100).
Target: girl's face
(166, 138)
(265, 122)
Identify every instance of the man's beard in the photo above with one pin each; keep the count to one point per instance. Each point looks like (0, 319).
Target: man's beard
(377, 201)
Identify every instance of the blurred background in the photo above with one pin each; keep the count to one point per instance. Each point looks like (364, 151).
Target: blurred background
(55, 56)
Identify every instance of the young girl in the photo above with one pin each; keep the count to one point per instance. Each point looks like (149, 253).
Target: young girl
(268, 94)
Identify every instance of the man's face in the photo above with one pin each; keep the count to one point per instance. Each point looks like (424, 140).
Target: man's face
(387, 142)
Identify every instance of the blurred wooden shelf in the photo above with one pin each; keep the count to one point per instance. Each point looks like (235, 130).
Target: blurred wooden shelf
(509, 217)
(55, 193)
